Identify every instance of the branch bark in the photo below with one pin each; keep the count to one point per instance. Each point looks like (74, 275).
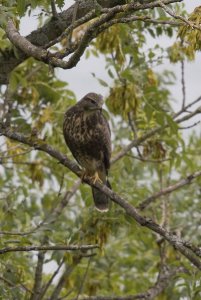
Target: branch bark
(50, 31)
(169, 189)
(47, 248)
(33, 43)
(38, 277)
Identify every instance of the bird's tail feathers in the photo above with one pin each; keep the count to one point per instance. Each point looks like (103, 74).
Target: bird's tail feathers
(102, 201)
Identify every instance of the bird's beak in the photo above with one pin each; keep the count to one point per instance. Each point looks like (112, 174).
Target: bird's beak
(96, 108)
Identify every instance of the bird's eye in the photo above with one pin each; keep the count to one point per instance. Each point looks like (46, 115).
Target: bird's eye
(92, 101)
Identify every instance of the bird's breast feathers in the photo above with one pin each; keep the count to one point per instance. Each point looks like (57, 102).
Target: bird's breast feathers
(88, 137)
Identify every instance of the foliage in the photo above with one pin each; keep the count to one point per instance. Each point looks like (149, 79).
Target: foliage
(35, 188)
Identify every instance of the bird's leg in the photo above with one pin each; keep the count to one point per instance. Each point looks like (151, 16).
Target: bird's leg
(83, 175)
(96, 178)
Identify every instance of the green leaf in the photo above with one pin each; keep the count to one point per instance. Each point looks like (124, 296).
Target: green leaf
(21, 7)
(47, 92)
(160, 118)
(60, 3)
(173, 125)
(102, 82)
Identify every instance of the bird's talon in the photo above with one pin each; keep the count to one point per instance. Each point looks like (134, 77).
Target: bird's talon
(96, 178)
(83, 175)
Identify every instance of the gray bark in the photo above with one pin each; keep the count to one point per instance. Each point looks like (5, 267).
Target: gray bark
(47, 33)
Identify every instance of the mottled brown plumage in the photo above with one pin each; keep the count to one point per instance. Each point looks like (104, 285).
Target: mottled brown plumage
(87, 134)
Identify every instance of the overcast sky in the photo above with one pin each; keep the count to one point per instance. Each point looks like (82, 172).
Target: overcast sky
(81, 81)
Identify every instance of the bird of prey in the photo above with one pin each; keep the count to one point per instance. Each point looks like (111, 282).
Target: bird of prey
(87, 134)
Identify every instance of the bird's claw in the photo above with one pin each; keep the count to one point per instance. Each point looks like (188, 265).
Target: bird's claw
(96, 178)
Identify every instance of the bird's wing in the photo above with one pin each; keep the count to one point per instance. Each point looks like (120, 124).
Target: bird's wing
(106, 142)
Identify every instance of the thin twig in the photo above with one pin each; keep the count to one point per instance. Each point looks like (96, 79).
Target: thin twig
(134, 129)
(169, 189)
(8, 103)
(186, 107)
(183, 85)
(38, 275)
(84, 278)
(11, 284)
(47, 248)
(14, 155)
(172, 14)
(157, 161)
(190, 126)
(62, 280)
(70, 28)
(48, 284)
(73, 23)
(52, 216)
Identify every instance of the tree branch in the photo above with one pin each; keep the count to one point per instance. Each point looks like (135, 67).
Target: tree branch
(52, 30)
(62, 279)
(54, 10)
(186, 107)
(169, 189)
(48, 284)
(12, 285)
(83, 279)
(183, 85)
(47, 248)
(161, 284)
(151, 133)
(172, 14)
(38, 277)
(52, 216)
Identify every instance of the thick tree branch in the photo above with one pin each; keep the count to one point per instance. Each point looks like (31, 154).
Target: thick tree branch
(169, 189)
(50, 31)
(56, 27)
(23, 44)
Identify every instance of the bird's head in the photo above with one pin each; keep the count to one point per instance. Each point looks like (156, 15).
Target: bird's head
(91, 102)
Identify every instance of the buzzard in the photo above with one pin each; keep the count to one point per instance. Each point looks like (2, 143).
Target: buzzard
(87, 134)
